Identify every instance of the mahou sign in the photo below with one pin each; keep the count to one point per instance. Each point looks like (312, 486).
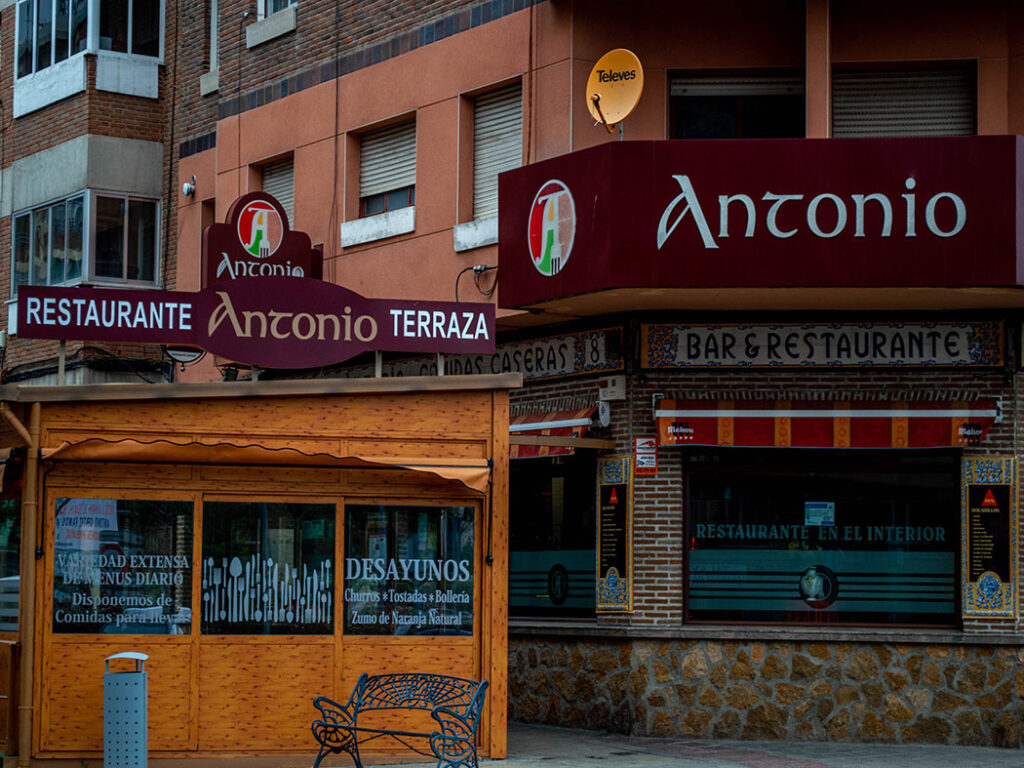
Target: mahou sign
(895, 212)
(270, 322)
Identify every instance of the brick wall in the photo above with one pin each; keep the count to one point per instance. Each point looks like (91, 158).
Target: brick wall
(329, 39)
(659, 527)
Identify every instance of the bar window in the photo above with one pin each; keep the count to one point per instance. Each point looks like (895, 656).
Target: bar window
(408, 570)
(552, 532)
(268, 568)
(122, 567)
(823, 537)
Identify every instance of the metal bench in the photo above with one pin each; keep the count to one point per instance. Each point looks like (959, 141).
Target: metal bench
(455, 703)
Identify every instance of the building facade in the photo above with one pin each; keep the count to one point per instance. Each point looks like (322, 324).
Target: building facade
(764, 475)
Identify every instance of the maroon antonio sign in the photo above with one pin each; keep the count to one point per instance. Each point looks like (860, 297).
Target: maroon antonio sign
(271, 322)
(256, 241)
(798, 213)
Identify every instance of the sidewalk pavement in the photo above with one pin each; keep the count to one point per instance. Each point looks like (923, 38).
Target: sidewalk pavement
(549, 747)
(542, 746)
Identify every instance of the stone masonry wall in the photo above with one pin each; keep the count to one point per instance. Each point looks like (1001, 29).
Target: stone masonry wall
(747, 689)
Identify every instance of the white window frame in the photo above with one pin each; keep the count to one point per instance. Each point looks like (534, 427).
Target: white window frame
(116, 72)
(390, 223)
(88, 275)
(265, 8)
(29, 212)
(90, 260)
(214, 35)
(92, 36)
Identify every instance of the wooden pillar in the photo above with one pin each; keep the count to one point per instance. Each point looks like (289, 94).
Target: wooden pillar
(818, 69)
(495, 641)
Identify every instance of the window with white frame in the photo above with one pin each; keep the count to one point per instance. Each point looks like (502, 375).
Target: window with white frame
(266, 8)
(52, 244)
(50, 31)
(497, 144)
(387, 169)
(213, 25)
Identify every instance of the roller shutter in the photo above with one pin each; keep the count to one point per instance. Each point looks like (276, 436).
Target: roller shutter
(904, 103)
(279, 181)
(387, 159)
(497, 145)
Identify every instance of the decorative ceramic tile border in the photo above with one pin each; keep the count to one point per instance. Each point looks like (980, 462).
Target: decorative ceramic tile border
(988, 553)
(614, 535)
(823, 345)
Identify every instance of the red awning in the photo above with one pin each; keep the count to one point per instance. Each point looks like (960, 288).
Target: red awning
(569, 425)
(815, 424)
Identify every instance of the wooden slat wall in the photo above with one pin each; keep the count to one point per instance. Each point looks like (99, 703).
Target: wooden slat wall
(256, 697)
(8, 696)
(73, 681)
(253, 695)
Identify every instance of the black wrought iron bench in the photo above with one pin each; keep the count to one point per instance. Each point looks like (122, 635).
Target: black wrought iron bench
(455, 703)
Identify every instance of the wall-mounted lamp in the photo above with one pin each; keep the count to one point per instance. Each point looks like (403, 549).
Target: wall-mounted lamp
(183, 354)
(189, 187)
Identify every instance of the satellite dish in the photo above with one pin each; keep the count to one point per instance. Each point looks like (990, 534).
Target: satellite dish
(614, 87)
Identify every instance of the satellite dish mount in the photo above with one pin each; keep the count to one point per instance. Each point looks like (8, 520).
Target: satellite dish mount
(614, 88)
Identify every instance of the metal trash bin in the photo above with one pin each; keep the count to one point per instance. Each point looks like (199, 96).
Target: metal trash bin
(125, 743)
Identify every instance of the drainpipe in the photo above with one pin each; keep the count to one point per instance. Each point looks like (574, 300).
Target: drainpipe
(26, 616)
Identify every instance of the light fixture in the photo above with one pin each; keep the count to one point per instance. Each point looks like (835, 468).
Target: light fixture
(183, 354)
(189, 187)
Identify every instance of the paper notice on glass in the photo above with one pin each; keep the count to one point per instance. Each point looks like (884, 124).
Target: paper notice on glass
(819, 513)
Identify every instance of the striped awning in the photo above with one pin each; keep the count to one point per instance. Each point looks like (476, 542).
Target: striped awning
(568, 425)
(814, 424)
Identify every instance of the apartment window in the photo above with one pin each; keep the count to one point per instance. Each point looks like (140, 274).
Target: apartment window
(737, 107)
(387, 169)
(497, 145)
(51, 244)
(905, 102)
(125, 235)
(213, 25)
(130, 26)
(49, 31)
(278, 180)
(270, 7)
(48, 244)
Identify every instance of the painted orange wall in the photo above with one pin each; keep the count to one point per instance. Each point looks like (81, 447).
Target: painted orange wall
(880, 32)
(551, 48)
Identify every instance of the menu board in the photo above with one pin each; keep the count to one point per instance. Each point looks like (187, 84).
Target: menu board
(614, 537)
(988, 531)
